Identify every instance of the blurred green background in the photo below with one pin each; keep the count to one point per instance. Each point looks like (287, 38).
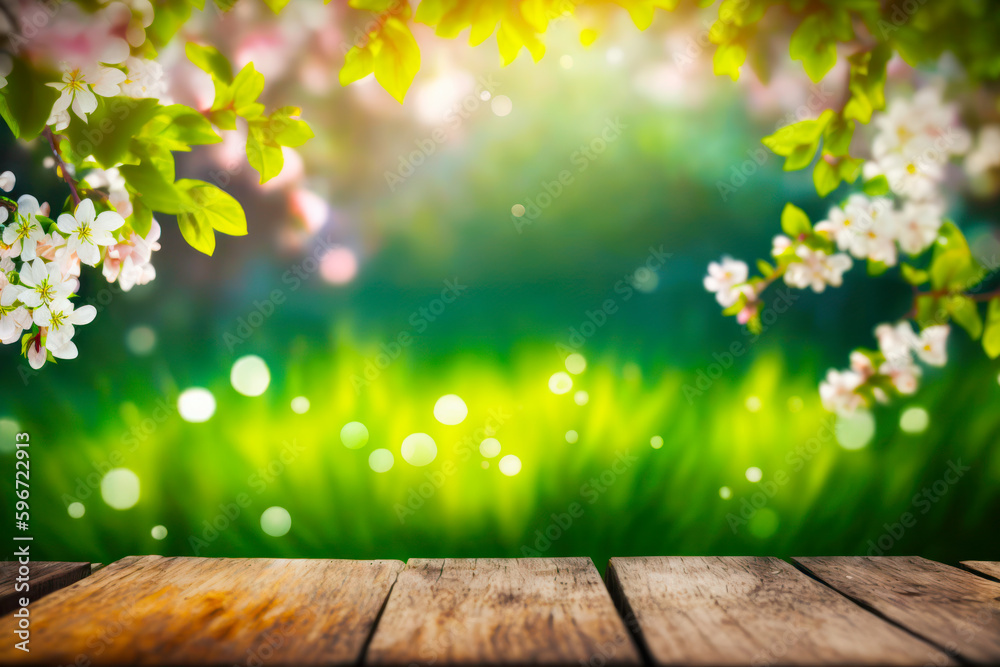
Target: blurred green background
(657, 368)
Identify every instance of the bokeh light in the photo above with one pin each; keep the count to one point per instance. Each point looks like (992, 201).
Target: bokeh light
(354, 435)
(338, 266)
(754, 474)
(855, 430)
(914, 420)
(725, 492)
(510, 465)
(276, 521)
(120, 488)
(76, 510)
(300, 405)
(581, 397)
(250, 375)
(576, 363)
(656, 442)
(560, 383)
(140, 340)
(196, 405)
(381, 460)
(753, 403)
(158, 532)
(450, 410)
(418, 449)
(502, 105)
(572, 436)
(489, 447)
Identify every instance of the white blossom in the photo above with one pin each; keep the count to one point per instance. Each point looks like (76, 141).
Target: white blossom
(79, 89)
(144, 78)
(129, 261)
(904, 375)
(919, 224)
(837, 392)
(13, 317)
(896, 342)
(780, 244)
(60, 318)
(817, 269)
(931, 345)
(986, 155)
(23, 234)
(87, 234)
(7, 181)
(43, 283)
(725, 278)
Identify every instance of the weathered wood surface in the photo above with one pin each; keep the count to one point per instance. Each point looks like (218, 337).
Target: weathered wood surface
(955, 609)
(541, 611)
(43, 578)
(988, 568)
(150, 610)
(752, 611)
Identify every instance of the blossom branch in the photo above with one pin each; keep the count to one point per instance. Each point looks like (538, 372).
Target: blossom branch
(61, 165)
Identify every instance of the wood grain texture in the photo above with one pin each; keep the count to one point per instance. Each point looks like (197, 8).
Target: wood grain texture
(752, 611)
(492, 611)
(955, 609)
(151, 610)
(985, 567)
(44, 577)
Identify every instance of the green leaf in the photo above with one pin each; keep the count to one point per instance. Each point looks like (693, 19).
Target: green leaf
(825, 177)
(867, 83)
(263, 153)
(765, 269)
(215, 207)
(396, 57)
(197, 232)
(108, 131)
(837, 137)
(794, 221)
(913, 275)
(964, 311)
(25, 102)
(877, 268)
(358, 63)
(287, 129)
(157, 190)
(991, 333)
(276, 5)
(728, 59)
(876, 187)
(952, 265)
(247, 87)
(210, 60)
(168, 18)
(177, 128)
(814, 46)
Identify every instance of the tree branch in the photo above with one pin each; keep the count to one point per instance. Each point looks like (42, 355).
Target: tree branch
(63, 169)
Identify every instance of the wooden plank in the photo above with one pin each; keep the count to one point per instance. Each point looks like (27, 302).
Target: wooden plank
(955, 609)
(493, 611)
(151, 610)
(44, 577)
(984, 567)
(752, 611)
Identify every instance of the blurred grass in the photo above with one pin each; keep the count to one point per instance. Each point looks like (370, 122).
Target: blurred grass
(649, 501)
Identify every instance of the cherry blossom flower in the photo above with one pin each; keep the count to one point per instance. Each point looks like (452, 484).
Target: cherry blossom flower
(22, 236)
(724, 280)
(7, 181)
(79, 89)
(896, 342)
(862, 365)
(14, 318)
(817, 269)
(143, 79)
(931, 345)
(837, 392)
(919, 224)
(904, 375)
(115, 183)
(915, 176)
(38, 350)
(60, 319)
(875, 238)
(42, 284)
(86, 234)
(780, 244)
(129, 261)
(986, 155)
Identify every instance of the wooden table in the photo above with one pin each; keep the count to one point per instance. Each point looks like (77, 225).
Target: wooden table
(719, 612)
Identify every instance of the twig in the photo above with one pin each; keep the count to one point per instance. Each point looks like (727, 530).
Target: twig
(63, 169)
